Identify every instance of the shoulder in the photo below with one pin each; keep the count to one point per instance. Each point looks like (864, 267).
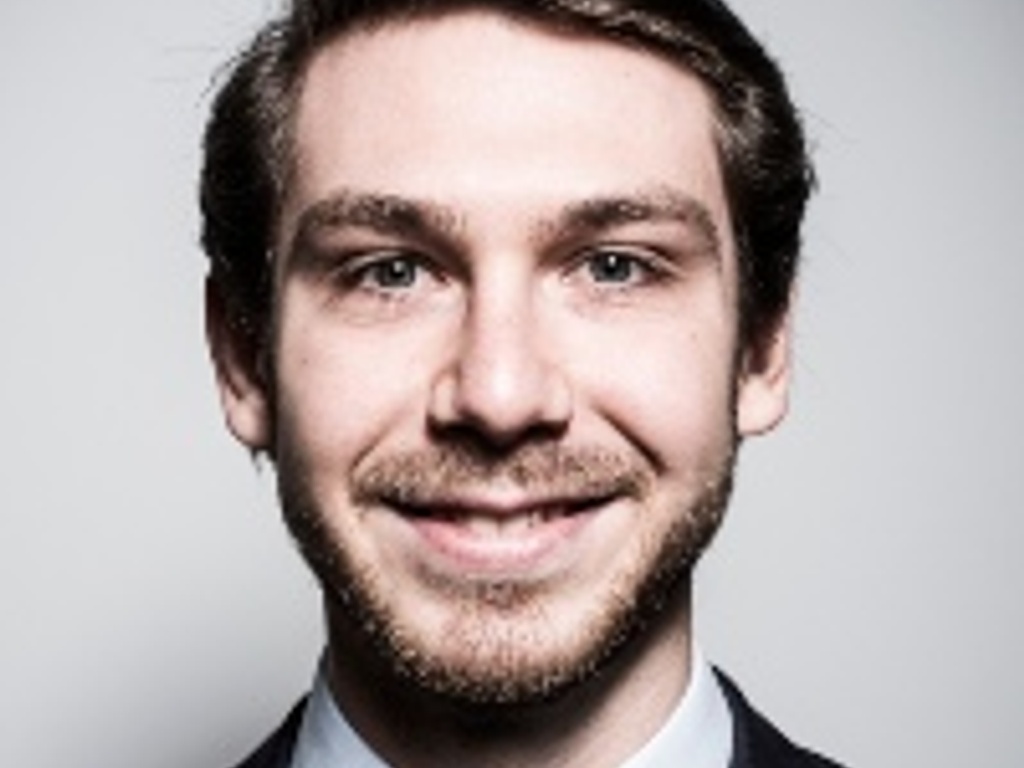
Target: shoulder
(276, 751)
(759, 744)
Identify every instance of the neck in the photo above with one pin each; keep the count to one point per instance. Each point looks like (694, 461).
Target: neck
(601, 722)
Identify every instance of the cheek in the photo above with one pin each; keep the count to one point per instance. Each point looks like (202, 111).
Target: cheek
(670, 392)
(340, 394)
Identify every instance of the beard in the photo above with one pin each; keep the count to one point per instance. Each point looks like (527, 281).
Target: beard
(496, 649)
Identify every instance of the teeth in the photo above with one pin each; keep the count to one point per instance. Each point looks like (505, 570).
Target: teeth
(495, 523)
(512, 525)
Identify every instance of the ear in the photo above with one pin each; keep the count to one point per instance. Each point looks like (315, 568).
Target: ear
(764, 378)
(244, 394)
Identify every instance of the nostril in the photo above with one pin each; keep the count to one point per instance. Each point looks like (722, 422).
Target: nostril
(501, 403)
(485, 441)
(503, 383)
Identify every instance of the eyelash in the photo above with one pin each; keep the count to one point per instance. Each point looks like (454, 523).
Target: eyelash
(357, 272)
(646, 268)
(362, 272)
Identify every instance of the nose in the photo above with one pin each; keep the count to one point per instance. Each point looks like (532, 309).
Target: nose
(504, 383)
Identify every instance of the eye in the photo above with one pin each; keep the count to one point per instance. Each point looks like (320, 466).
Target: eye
(614, 267)
(379, 283)
(366, 283)
(390, 273)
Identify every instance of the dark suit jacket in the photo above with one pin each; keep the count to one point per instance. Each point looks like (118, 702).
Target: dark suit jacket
(756, 742)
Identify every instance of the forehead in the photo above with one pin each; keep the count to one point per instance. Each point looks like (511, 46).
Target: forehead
(476, 109)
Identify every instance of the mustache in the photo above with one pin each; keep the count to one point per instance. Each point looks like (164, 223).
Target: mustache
(425, 476)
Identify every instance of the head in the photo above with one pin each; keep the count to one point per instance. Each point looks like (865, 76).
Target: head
(249, 149)
(500, 286)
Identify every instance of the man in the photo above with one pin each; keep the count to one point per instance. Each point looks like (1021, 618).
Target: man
(499, 287)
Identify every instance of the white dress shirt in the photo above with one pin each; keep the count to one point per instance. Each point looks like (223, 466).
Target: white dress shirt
(699, 731)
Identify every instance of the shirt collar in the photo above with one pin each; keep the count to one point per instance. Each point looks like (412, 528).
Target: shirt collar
(699, 728)
(326, 740)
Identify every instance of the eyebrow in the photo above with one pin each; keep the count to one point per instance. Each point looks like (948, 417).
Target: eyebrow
(384, 214)
(658, 205)
(428, 221)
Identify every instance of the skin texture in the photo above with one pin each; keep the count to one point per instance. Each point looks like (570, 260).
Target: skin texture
(506, 390)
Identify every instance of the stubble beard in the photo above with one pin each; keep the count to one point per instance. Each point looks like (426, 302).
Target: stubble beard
(490, 656)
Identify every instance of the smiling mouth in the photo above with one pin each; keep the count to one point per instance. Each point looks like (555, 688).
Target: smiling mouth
(487, 536)
(493, 516)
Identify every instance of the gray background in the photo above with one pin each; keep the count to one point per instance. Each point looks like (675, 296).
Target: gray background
(866, 589)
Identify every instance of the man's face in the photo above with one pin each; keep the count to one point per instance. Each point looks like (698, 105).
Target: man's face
(507, 388)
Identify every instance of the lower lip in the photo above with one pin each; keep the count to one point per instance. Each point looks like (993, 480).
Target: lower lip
(529, 551)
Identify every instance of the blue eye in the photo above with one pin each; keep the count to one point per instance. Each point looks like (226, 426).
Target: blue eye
(384, 284)
(614, 267)
(390, 273)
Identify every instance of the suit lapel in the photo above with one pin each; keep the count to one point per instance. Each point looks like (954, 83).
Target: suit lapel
(759, 744)
(276, 751)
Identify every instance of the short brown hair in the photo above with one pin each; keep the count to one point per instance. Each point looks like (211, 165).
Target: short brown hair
(768, 174)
